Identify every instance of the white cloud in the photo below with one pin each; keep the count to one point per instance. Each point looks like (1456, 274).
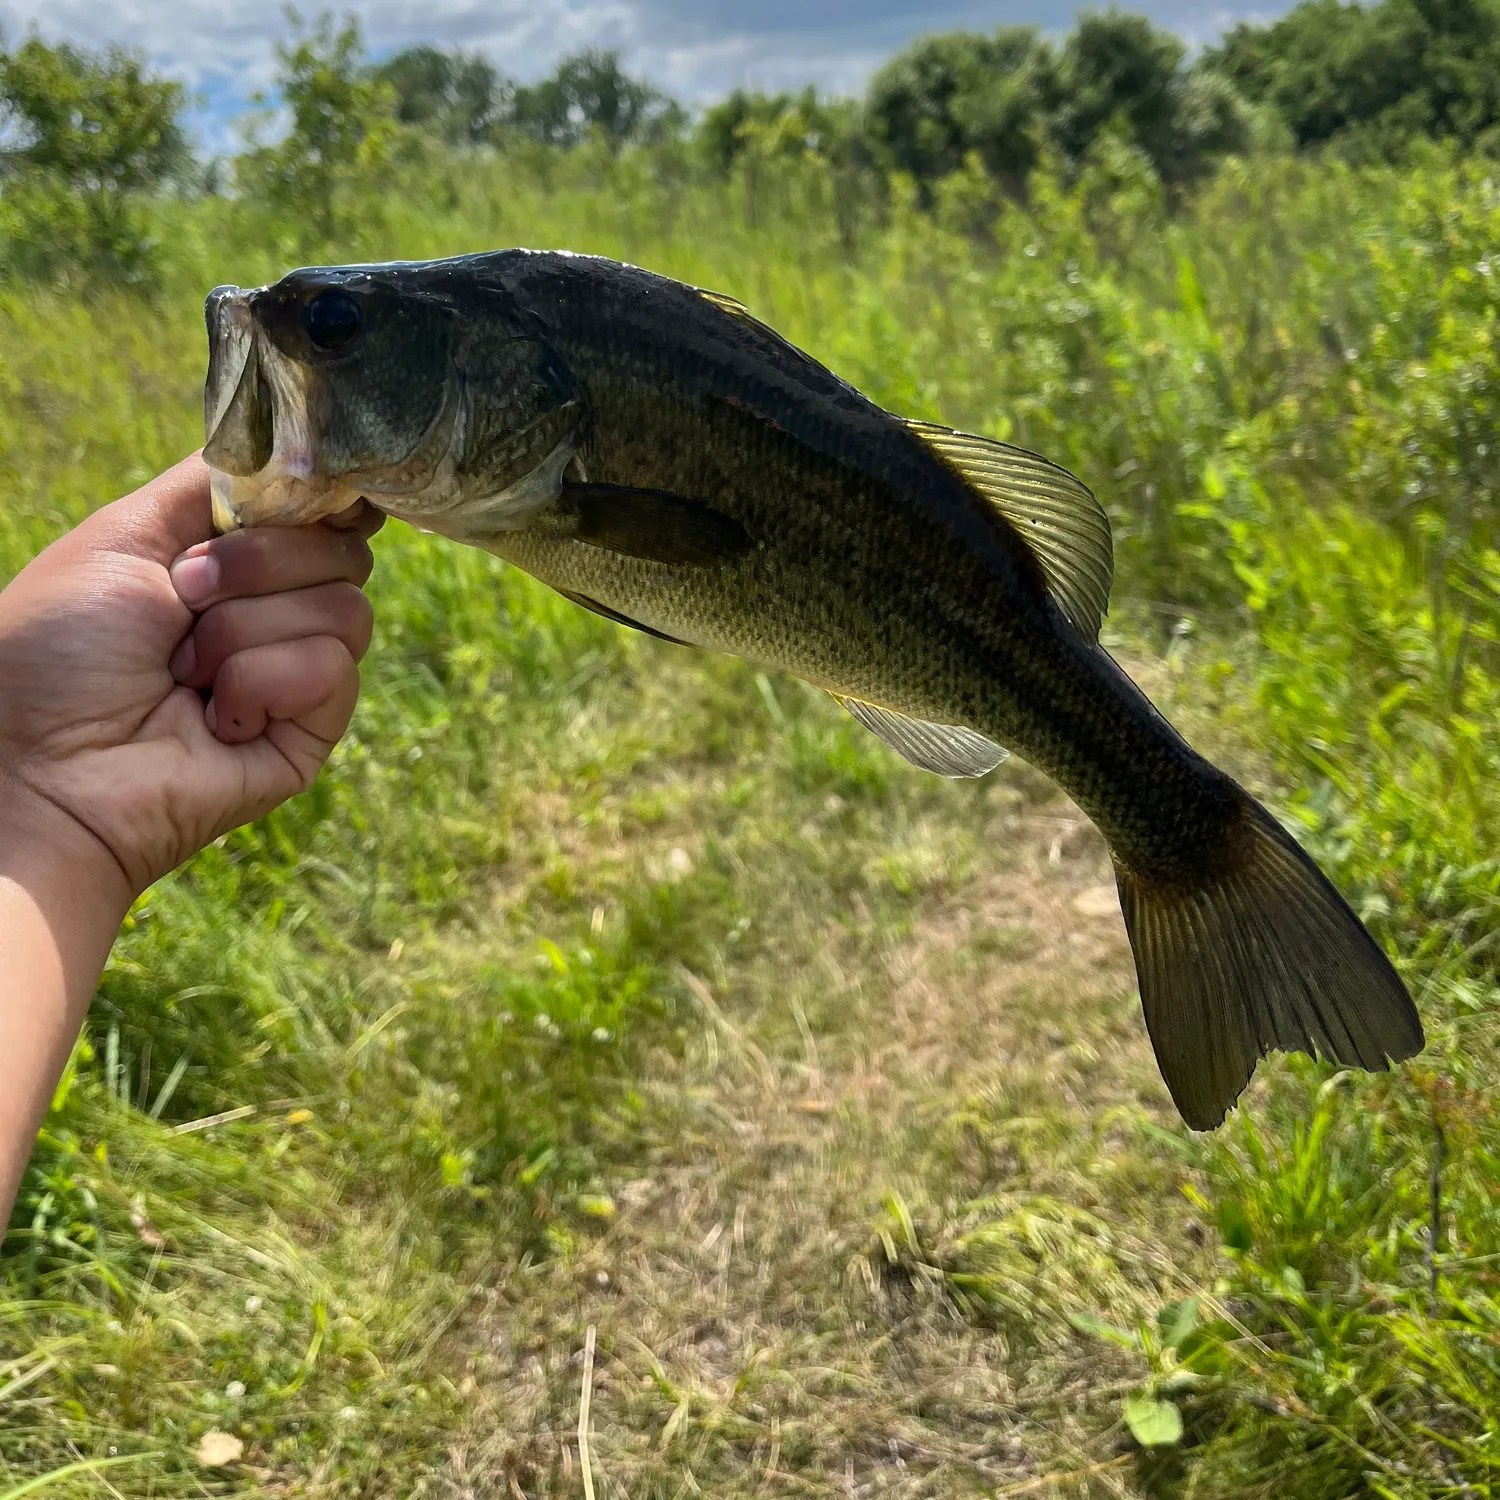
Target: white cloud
(223, 50)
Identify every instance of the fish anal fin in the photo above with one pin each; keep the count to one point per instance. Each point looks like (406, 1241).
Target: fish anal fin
(605, 612)
(944, 749)
(653, 525)
(1056, 515)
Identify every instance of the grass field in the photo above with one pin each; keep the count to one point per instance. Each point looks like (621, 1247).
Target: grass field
(602, 984)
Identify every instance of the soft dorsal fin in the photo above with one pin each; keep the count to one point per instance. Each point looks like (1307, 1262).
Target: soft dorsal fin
(1054, 513)
(946, 749)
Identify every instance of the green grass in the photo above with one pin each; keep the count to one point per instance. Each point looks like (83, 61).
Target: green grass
(444, 990)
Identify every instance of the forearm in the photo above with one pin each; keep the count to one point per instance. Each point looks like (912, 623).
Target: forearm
(61, 906)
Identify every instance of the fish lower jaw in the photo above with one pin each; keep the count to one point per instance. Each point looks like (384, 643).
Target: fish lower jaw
(275, 499)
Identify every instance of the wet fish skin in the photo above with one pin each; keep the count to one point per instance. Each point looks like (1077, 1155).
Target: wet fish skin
(846, 547)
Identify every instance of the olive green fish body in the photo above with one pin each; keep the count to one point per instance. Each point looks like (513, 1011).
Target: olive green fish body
(656, 454)
(877, 572)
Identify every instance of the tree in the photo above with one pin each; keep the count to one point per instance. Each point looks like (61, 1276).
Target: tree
(590, 92)
(1379, 74)
(784, 125)
(83, 138)
(945, 96)
(100, 122)
(458, 95)
(1118, 66)
(342, 123)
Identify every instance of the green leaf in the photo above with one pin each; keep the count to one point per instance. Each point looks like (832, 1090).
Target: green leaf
(1234, 1226)
(1088, 1323)
(1152, 1423)
(1177, 1320)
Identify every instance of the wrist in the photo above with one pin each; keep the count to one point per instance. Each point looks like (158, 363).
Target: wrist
(71, 875)
(61, 905)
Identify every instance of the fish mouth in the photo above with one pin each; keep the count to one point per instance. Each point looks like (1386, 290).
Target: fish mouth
(231, 337)
(258, 418)
(263, 413)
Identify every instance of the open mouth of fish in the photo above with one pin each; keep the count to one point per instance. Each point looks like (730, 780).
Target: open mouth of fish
(263, 416)
(260, 443)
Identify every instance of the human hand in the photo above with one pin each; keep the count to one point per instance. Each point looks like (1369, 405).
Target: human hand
(109, 757)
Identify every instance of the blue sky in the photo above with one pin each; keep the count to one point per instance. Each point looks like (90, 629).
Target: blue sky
(223, 49)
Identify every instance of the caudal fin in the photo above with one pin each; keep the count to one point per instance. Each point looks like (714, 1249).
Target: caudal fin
(1265, 955)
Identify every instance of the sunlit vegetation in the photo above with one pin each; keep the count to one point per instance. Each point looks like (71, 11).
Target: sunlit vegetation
(362, 1069)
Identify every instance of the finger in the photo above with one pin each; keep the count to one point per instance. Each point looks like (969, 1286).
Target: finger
(339, 610)
(361, 517)
(269, 560)
(311, 683)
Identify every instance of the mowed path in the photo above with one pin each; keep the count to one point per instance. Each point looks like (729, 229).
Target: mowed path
(773, 1303)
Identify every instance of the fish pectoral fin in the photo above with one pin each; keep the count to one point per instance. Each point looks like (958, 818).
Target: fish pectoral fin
(1055, 514)
(603, 610)
(652, 525)
(946, 749)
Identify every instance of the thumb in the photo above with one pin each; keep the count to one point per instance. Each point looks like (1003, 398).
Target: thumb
(158, 521)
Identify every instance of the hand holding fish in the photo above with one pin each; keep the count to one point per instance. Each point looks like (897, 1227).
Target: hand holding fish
(107, 638)
(113, 769)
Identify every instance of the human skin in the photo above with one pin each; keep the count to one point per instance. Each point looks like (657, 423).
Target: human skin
(113, 767)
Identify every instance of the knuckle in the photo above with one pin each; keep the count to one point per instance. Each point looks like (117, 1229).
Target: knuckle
(216, 635)
(361, 558)
(247, 559)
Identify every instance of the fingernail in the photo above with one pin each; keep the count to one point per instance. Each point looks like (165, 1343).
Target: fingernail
(184, 659)
(211, 717)
(195, 579)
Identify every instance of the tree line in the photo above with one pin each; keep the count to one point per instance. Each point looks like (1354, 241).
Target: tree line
(84, 134)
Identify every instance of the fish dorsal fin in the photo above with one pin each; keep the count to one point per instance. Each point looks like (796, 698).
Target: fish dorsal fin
(742, 314)
(946, 749)
(737, 310)
(1055, 514)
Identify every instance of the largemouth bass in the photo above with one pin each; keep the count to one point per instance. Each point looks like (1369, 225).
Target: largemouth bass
(658, 455)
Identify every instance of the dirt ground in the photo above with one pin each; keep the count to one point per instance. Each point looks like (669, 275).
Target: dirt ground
(778, 1301)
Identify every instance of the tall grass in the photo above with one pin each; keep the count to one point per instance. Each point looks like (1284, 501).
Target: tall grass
(1285, 394)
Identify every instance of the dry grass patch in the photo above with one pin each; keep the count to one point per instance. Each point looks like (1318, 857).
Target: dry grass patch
(776, 1286)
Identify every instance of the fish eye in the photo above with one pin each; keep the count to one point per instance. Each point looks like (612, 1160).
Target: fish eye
(333, 320)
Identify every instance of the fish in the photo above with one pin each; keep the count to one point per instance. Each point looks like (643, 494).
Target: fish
(659, 455)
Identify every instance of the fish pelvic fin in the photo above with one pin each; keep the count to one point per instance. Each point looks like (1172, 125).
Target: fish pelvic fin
(606, 613)
(945, 749)
(1054, 514)
(1266, 955)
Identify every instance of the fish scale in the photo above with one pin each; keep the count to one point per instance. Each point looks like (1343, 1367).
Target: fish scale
(658, 454)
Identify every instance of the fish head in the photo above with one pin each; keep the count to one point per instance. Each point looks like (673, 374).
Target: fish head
(333, 384)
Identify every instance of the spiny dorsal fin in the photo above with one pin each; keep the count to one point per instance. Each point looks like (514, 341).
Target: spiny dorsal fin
(737, 309)
(742, 314)
(946, 749)
(1054, 513)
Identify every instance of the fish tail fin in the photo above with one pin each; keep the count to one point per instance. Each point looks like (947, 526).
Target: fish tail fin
(1262, 954)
